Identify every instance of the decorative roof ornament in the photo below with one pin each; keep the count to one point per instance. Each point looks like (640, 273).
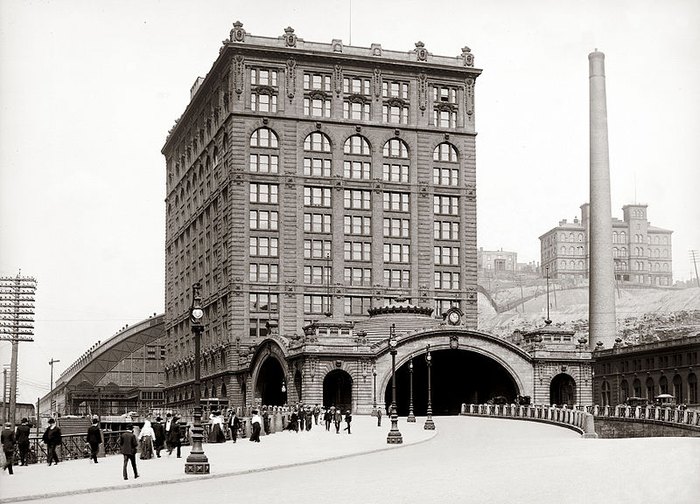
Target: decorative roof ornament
(290, 39)
(237, 33)
(421, 51)
(467, 56)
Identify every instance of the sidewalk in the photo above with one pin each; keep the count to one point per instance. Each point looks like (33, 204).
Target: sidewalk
(282, 449)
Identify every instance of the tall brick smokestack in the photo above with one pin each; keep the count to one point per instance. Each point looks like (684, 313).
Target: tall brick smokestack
(601, 307)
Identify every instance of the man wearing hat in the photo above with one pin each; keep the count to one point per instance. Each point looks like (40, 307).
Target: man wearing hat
(7, 438)
(172, 434)
(255, 423)
(94, 438)
(159, 432)
(52, 438)
(129, 447)
(22, 437)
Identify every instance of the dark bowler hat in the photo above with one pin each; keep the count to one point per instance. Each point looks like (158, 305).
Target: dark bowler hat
(51, 420)
(129, 426)
(158, 419)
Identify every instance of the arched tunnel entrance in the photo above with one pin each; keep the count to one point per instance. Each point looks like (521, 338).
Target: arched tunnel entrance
(457, 376)
(337, 390)
(270, 383)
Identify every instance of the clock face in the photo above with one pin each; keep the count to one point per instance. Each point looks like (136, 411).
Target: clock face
(453, 317)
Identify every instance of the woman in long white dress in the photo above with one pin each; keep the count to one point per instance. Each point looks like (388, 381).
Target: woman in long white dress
(146, 437)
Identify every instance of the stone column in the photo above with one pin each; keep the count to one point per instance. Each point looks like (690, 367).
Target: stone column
(601, 308)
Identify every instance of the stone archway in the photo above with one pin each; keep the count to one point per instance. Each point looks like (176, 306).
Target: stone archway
(562, 390)
(337, 390)
(270, 383)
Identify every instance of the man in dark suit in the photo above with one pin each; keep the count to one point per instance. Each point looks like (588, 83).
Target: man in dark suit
(234, 424)
(129, 447)
(52, 438)
(22, 437)
(7, 438)
(172, 434)
(159, 432)
(94, 439)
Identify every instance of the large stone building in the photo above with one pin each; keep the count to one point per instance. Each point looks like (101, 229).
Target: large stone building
(641, 252)
(324, 197)
(497, 260)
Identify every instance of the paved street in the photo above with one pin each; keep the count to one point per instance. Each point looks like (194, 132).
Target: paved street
(466, 460)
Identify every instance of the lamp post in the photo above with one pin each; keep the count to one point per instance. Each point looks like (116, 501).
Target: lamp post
(374, 390)
(411, 417)
(197, 462)
(394, 436)
(429, 424)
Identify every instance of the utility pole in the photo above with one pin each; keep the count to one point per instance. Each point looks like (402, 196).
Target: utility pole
(4, 395)
(694, 254)
(16, 323)
(51, 363)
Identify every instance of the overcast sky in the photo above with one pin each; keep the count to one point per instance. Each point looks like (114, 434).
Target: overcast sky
(89, 90)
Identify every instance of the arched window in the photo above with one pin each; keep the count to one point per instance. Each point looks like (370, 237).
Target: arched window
(614, 236)
(361, 168)
(357, 145)
(216, 156)
(649, 385)
(605, 394)
(262, 158)
(317, 142)
(637, 388)
(663, 385)
(692, 389)
(394, 170)
(445, 152)
(213, 390)
(678, 389)
(317, 165)
(624, 390)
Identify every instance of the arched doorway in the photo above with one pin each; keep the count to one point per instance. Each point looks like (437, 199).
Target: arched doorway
(457, 377)
(270, 383)
(605, 394)
(337, 390)
(298, 384)
(562, 390)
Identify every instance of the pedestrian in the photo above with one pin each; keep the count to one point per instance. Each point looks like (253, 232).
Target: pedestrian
(266, 420)
(348, 419)
(337, 418)
(94, 439)
(308, 417)
(317, 412)
(216, 431)
(129, 446)
(22, 437)
(379, 417)
(146, 439)
(234, 425)
(7, 438)
(172, 434)
(293, 424)
(255, 422)
(52, 438)
(159, 438)
(301, 419)
(327, 418)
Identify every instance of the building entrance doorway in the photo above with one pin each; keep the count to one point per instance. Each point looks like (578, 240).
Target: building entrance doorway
(270, 387)
(457, 376)
(337, 390)
(562, 390)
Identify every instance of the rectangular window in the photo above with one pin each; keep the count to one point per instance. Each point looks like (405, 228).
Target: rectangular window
(395, 89)
(263, 246)
(446, 255)
(395, 114)
(395, 172)
(263, 273)
(357, 225)
(317, 107)
(396, 228)
(446, 230)
(316, 304)
(263, 301)
(446, 205)
(442, 305)
(263, 193)
(445, 118)
(262, 102)
(264, 163)
(317, 275)
(321, 82)
(317, 249)
(356, 85)
(317, 223)
(317, 196)
(442, 94)
(263, 77)
(358, 251)
(357, 199)
(358, 276)
(357, 170)
(397, 278)
(356, 305)
(263, 220)
(397, 252)
(446, 280)
(396, 202)
(446, 176)
(356, 111)
(317, 167)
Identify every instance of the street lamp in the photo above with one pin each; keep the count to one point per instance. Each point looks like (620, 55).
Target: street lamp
(374, 390)
(394, 436)
(197, 462)
(411, 417)
(429, 424)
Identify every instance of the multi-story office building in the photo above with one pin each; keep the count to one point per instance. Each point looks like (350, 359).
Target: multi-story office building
(641, 252)
(312, 181)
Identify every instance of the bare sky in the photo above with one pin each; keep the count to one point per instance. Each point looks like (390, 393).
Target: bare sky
(88, 91)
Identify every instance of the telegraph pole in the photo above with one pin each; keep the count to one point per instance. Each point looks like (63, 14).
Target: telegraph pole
(16, 323)
(51, 363)
(694, 254)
